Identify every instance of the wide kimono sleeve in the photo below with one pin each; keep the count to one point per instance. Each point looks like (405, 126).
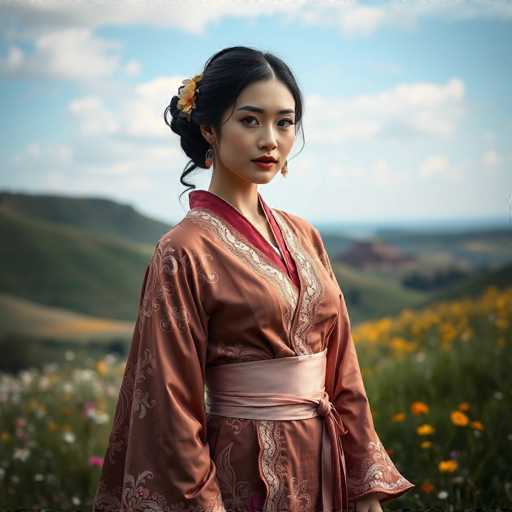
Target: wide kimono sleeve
(370, 471)
(158, 457)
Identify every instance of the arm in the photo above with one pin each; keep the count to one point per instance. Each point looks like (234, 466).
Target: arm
(158, 457)
(371, 473)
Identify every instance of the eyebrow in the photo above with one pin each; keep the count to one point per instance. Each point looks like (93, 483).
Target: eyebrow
(251, 108)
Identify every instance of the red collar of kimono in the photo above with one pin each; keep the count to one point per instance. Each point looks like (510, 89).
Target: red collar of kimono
(213, 202)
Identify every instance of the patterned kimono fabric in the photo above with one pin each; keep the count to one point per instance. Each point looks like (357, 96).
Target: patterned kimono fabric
(242, 390)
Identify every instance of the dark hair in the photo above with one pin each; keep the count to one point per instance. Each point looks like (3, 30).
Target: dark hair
(225, 75)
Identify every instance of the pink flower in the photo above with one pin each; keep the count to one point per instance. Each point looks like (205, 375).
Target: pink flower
(94, 460)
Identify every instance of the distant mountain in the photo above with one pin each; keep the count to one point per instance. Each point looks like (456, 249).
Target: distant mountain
(362, 254)
(95, 215)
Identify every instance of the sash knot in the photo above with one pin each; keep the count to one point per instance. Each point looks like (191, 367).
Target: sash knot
(324, 406)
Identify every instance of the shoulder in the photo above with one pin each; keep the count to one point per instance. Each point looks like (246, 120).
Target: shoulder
(297, 222)
(184, 237)
(302, 227)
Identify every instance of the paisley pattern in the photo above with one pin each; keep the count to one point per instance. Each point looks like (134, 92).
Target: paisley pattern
(138, 497)
(377, 472)
(252, 255)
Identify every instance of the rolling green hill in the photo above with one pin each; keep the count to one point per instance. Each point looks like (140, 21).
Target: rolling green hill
(95, 215)
(371, 296)
(65, 267)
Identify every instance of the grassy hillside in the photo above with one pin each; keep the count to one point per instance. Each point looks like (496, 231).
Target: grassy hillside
(95, 215)
(370, 295)
(26, 318)
(438, 384)
(472, 287)
(64, 267)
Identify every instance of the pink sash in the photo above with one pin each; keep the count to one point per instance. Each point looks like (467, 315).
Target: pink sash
(285, 388)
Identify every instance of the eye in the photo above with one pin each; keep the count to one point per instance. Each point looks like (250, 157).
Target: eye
(289, 121)
(249, 118)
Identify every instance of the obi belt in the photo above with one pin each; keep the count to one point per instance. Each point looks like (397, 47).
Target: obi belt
(288, 388)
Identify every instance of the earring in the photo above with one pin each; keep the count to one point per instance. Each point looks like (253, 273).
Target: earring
(208, 159)
(284, 170)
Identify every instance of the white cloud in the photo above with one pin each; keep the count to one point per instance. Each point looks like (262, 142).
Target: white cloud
(421, 108)
(93, 117)
(491, 159)
(70, 54)
(44, 155)
(439, 166)
(140, 114)
(29, 20)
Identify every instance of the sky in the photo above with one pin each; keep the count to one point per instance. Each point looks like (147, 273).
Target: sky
(408, 111)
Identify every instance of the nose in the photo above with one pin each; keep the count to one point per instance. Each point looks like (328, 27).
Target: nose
(268, 138)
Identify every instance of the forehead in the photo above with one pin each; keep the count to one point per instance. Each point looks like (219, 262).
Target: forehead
(270, 95)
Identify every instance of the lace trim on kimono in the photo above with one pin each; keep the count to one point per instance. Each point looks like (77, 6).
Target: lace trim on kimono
(313, 291)
(137, 496)
(272, 465)
(376, 471)
(250, 254)
(283, 494)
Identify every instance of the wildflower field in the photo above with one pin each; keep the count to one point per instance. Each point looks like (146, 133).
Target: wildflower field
(439, 382)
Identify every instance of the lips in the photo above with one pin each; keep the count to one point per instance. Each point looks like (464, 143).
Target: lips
(265, 160)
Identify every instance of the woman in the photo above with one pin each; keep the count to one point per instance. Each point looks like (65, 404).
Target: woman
(242, 390)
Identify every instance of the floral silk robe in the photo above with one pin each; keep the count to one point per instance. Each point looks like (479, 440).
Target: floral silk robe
(216, 292)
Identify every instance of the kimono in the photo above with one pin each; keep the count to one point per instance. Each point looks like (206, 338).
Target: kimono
(217, 292)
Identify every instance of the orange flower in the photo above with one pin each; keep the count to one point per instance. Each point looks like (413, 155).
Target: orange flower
(425, 430)
(398, 417)
(426, 487)
(476, 425)
(426, 444)
(448, 466)
(418, 408)
(187, 93)
(102, 367)
(464, 406)
(459, 418)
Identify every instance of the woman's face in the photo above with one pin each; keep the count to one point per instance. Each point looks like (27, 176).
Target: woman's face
(247, 134)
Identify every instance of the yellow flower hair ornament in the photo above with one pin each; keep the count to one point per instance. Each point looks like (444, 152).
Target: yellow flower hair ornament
(187, 95)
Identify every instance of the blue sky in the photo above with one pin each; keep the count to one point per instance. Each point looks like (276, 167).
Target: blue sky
(407, 104)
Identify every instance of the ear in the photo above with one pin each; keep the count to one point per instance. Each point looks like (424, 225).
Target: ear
(208, 134)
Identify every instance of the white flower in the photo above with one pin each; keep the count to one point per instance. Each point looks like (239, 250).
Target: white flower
(69, 437)
(69, 355)
(76, 500)
(21, 454)
(442, 495)
(38, 477)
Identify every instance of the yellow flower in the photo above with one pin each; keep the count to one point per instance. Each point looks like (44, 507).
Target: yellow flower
(476, 425)
(187, 94)
(426, 444)
(5, 436)
(448, 466)
(459, 418)
(52, 426)
(398, 417)
(418, 408)
(425, 430)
